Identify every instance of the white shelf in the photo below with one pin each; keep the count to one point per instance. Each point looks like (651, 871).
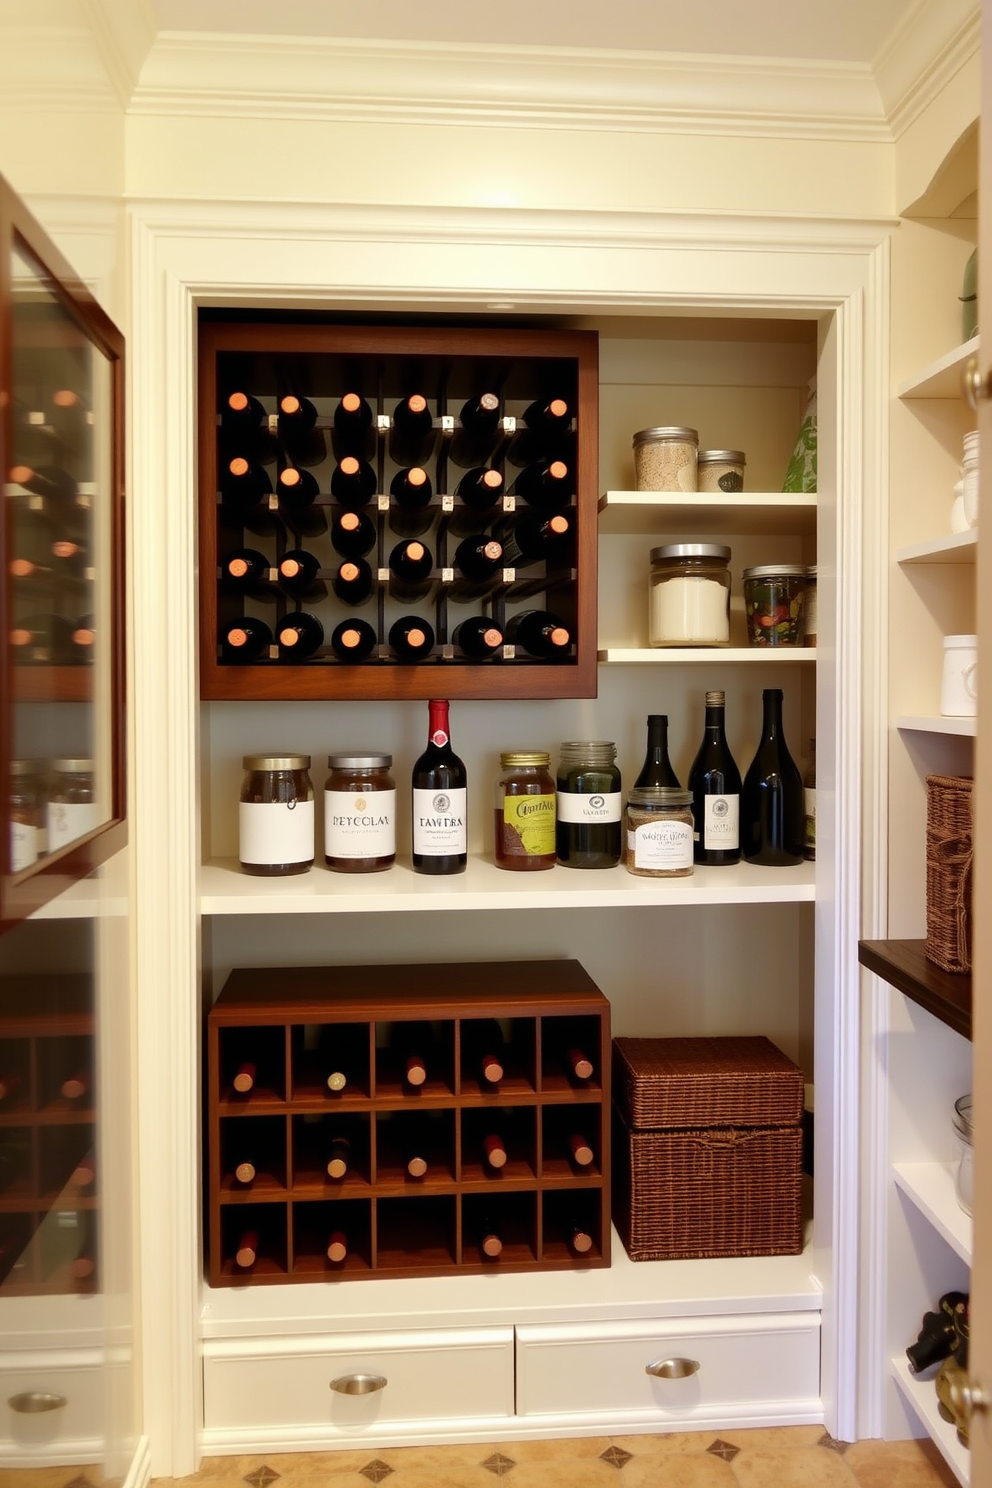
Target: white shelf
(224, 889)
(942, 378)
(705, 655)
(922, 1399)
(930, 1186)
(705, 512)
(956, 547)
(624, 1289)
(966, 728)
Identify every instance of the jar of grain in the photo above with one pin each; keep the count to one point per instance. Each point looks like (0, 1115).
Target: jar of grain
(659, 832)
(689, 595)
(665, 458)
(720, 470)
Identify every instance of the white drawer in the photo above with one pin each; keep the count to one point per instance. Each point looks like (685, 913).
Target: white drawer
(261, 1388)
(69, 1432)
(752, 1366)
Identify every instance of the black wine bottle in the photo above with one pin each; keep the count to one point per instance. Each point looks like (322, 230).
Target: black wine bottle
(244, 426)
(299, 636)
(353, 581)
(246, 571)
(410, 567)
(478, 565)
(535, 538)
(410, 511)
(411, 434)
(71, 419)
(657, 767)
(772, 815)
(33, 441)
(484, 1054)
(31, 545)
(478, 636)
(440, 800)
(543, 428)
(352, 533)
(299, 575)
(478, 427)
(83, 640)
(353, 482)
(715, 782)
(41, 639)
(411, 638)
(480, 492)
(298, 434)
(353, 640)
(546, 485)
(540, 634)
(297, 490)
(49, 481)
(354, 431)
(490, 1236)
(245, 639)
(244, 484)
(338, 1157)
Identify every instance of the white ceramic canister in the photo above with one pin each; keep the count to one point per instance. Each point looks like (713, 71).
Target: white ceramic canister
(959, 683)
(969, 478)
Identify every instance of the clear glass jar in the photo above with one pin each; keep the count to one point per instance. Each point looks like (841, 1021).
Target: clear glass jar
(809, 606)
(588, 832)
(665, 458)
(524, 813)
(720, 470)
(659, 836)
(71, 812)
(689, 598)
(359, 813)
(275, 815)
(27, 815)
(964, 1173)
(775, 604)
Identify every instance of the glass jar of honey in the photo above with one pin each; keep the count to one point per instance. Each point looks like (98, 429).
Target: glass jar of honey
(524, 812)
(359, 813)
(275, 815)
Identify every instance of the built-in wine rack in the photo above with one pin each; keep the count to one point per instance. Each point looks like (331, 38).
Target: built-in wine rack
(48, 1179)
(259, 364)
(324, 1161)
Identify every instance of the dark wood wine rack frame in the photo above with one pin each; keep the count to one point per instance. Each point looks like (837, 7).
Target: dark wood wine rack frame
(447, 364)
(46, 1032)
(397, 1225)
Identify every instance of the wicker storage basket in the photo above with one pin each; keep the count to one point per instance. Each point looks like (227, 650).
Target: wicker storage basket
(707, 1148)
(949, 860)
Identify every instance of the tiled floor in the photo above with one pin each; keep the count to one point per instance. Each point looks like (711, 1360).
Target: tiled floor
(782, 1457)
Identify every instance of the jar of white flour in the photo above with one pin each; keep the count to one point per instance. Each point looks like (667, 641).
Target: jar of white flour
(689, 595)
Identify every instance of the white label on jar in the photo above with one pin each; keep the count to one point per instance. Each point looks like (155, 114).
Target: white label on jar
(689, 611)
(68, 821)
(440, 821)
(662, 844)
(275, 831)
(721, 823)
(360, 824)
(23, 846)
(601, 806)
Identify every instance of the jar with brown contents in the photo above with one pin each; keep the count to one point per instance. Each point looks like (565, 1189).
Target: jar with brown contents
(524, 815)
(659, 832)
(359, 813)
(275, 816)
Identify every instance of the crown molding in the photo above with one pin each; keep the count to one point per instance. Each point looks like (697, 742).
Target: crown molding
(923, 55)
(318, 78)
(52, 69)
(123, 33)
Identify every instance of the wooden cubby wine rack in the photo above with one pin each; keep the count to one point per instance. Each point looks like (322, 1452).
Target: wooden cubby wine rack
(48, 1179)
(309, 1183)
(319, 361)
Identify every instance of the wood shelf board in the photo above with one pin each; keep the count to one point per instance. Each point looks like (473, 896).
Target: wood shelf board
(903, 964)
(921, 1397)
(964, 728)
(941, 378)
(225, 890)
(953, 547)
(705, 512)
(930, 1187)
(704, 655)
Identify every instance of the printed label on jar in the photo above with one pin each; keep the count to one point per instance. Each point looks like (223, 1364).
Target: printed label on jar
(360, 824)
(721, 823)
(24, 846)
(665, 845)
(68, 821)
(272, 832)
(440, 822)
(532, 819)
(601, 806)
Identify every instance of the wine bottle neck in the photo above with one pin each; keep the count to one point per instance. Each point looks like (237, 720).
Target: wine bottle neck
(438, 732)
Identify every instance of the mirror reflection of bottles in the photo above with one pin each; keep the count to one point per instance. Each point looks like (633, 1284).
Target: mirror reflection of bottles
(72, 810)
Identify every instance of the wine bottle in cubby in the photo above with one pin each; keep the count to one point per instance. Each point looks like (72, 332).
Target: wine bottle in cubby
(297, 490)
(338, 1158)
(246, 571)
(71, 561)
(411, 434)
(298, 434)
(543, 428)
(440, 800)
(578, 1063)
(298, 636)
(342, 1057)
(244, 427)
(49, 481)
(247, 1250)
(353, 582)
(416, 1158)
(411, 564)
(411, 638)
(245, 1171)
(353, 482)
(71, 419)
(83, 1176)
(243, 1079)
(41, 639)
(83, 640)
(484, 1052)
(74, 1085)
(299, 575)
(244, 484)
(10, 1082)
(580, 1150)
(410, 513)
(579, 1236)
(478, 565)
(494, 1153)
(412, 1048)
(479, 491)
(353, 640)
(535, 538)
(353, 533)
(354, 427)
(478, 637)
(477, 431)
(541, 634)
(546, 485)
(245, 639)
(337, 1247)
(490, 1237)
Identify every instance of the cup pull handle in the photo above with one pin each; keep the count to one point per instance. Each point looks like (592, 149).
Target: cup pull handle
(33, 1402)
(672, 1368)
(358, 1384)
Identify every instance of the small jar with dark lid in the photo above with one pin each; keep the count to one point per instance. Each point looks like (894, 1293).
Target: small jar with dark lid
(72, 811)
(276, 817)
(359, 813)
(524, 812)
(659, 837)
(720, 470)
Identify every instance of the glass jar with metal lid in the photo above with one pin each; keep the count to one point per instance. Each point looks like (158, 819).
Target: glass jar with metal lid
(775, 604)
(71, 812)
(27, 814)
(359, 813)
(588, 828)
(275, 815)
(665, 458)
(689, 595)
(720, 470)
(809, 605)
(524, 813)
(659, 836)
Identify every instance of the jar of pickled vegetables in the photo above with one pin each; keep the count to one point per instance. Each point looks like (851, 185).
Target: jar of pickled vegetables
(774, 604)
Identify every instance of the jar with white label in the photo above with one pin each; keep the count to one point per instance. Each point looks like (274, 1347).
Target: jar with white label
(276, 816)
(359, 813)
(720, 470)
(27, 816)
(71, 812)
(689, 600)
(659, 836)
(588, 805)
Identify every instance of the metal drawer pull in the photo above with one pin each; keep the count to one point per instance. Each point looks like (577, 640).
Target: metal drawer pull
(32, 1402)
(358, 1384)
(673, 1368)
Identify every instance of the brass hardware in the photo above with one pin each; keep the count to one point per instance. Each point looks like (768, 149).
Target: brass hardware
(673, 1368)
(358, 1384)
(976, 384)
(33, 1402)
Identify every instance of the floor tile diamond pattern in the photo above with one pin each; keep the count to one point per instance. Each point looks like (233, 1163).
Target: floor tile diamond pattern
(726, 1450)
(262, 1477)
(376, 1470)
(615, 1456)
(499, 1464)
(832, 1444)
